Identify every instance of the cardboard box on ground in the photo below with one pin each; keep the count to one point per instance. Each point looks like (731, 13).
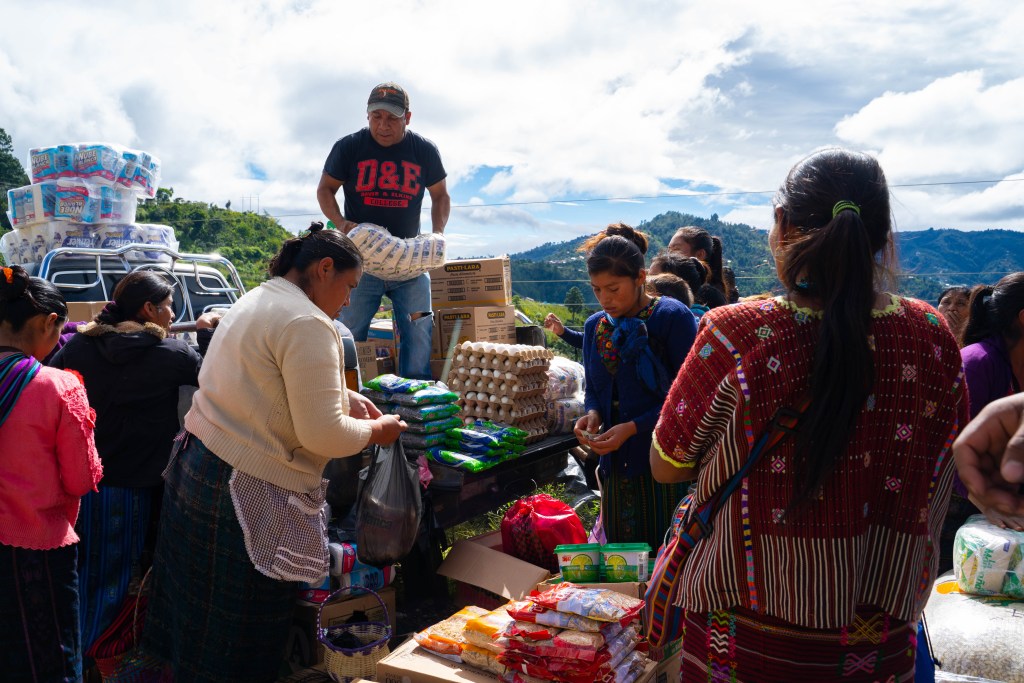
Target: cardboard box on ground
(471, 282)
(304, 649)
(486, 577)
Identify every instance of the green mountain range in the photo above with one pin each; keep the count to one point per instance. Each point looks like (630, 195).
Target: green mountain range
(928, 260)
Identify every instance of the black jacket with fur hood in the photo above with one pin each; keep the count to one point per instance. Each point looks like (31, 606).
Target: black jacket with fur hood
(132, 372)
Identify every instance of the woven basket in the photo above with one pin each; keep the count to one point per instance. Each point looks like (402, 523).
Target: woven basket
(122, 636)
(345, 664)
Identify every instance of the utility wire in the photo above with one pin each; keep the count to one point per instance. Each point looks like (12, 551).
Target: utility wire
(580, 200)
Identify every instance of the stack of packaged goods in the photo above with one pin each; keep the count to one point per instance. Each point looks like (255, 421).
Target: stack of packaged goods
(393, 258)
(567, 634)
(574, 634)
(479, 446)
(504, 383)
(83, 195)
(346, 571)
(567, 381)
(428, 408)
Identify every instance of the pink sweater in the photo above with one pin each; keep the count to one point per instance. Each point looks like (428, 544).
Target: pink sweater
(48, 461)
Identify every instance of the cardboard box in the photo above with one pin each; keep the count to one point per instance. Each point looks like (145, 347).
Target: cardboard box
(487, 577)
(376, 357)
(436, 369)
(477, 282)
(667, 670)
(303, 647)
(478, 323)
(412, 664)
(84, 310)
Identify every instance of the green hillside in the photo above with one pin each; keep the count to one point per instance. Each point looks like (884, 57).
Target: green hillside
(928, 260)
(247, 239)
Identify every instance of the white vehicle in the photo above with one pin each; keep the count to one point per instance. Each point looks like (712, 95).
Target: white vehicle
(201, 281)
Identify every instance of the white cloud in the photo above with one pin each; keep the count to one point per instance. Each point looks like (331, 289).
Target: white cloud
(955, 127)
(570, 99)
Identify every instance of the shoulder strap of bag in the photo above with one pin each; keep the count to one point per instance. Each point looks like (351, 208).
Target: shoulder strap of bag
(782, 425)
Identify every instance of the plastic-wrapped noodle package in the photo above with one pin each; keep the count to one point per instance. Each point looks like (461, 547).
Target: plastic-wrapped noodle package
(989, 560)
(566, 378)
(393, 258)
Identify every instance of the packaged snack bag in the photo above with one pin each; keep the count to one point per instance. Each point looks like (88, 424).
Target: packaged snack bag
(527, 610)
(445, 638)
(482, 631)
(599, 604)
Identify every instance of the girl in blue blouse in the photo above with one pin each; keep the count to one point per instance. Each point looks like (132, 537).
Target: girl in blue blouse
(632, 350)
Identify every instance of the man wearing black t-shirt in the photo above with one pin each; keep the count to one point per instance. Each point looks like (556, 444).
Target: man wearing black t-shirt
(384, 170)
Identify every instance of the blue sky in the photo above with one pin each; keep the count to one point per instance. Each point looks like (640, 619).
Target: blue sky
(536, 104)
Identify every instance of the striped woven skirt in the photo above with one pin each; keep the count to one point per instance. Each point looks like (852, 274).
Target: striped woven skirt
(739, 646)
(39, 633)
(212, 616)
(112, 524)
(638, 510)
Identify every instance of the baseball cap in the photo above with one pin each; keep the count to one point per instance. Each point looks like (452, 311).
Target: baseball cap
(390, 97)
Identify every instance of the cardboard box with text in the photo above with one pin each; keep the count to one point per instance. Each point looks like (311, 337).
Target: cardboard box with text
(471, 282)
(495, 324)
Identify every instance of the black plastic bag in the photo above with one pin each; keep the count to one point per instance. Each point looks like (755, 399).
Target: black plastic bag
(388, 510)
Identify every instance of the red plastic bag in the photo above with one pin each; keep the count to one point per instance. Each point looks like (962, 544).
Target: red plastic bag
(533, 526)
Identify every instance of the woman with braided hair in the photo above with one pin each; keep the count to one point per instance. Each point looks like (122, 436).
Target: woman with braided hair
(48, 462)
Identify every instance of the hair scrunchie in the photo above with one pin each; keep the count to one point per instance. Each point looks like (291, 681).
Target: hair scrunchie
(9, 275)
(843, 206)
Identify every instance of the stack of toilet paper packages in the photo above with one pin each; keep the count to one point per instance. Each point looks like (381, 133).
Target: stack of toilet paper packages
(989, 560)
(31, 244)
(393, 258)
(564, 395)
(99, 163)
(504, 383)
(83, 195)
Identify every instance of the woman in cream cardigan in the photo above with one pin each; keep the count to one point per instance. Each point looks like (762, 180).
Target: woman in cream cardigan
(242, 513)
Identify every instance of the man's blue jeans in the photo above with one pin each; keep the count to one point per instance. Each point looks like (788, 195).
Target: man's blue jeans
(412, 316)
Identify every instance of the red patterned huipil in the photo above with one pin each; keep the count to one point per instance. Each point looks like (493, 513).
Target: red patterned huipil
(838, 587)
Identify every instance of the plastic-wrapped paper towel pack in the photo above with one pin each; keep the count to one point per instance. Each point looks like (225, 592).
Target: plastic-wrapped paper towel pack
(102, 163)
(392, 258)
(31, 244)
(988, 560)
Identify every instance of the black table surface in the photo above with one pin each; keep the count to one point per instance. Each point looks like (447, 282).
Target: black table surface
(459, 495)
